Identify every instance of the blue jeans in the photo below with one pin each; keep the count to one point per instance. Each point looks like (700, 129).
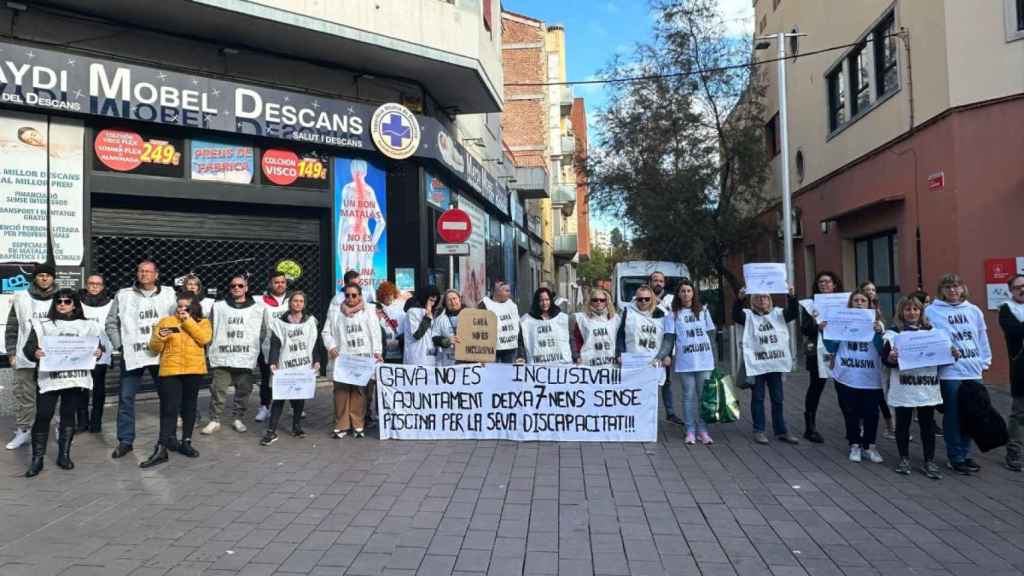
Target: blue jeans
(957, 446)
(773, 382)
(130, 382)
(692, 384)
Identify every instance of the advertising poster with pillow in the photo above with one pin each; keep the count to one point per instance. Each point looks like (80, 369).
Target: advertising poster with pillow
(25, 142)
(473, 268)
(360, 208)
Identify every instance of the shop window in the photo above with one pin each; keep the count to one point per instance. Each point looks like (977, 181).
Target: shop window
(877, 261)
(886, 62)
(836, 98)
(860, 81)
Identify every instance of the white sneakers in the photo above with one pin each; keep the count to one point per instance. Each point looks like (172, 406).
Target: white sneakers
(21, 437)
(238, 426)
(857, 454)
(211, 427)
(262, 414)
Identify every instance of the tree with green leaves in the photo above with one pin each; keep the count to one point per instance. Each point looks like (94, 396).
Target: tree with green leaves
(681, 158)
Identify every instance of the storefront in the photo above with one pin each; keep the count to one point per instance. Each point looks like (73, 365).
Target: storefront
(105, 163)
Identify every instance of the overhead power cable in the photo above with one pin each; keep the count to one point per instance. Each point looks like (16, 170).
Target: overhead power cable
(627, 79)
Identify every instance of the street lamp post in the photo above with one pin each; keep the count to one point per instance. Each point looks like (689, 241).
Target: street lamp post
(763, 42)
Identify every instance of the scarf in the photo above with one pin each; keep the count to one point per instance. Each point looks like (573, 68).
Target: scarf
(94, 300)
(1017, 309)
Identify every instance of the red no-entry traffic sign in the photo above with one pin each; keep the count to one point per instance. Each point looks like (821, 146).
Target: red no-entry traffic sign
(454, 226)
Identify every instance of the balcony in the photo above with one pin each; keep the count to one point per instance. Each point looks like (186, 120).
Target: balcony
(564, 194)
(565, 97)
(531, 182)
(568, 148)
(565, 245)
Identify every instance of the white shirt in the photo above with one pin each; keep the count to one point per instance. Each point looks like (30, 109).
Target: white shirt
(693, 352)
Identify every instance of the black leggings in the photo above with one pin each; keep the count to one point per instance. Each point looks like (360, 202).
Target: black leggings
(46, 405)
(926, 423)
(883, 407)
(178, 396)
(814, 389)
(266, 392)
(99, 394)
(860, 412)
(277, 407)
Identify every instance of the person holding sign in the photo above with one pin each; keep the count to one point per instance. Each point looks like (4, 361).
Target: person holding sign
(642, 327)
(868, 287)
(508, 321)
(134, 313)
(446, 327)
(293, 337)
(965, 325)
(358, 334)
(418, 342)
(594, 330)
(912, 389)
(810, 326)
(857, 370)
(1011, 320)
(96, 305)
(274, 304)
(238, 330)
(767, 357)
(688, 339)
(181, 342)
(64, 319)
(544, 338)
(31, 304)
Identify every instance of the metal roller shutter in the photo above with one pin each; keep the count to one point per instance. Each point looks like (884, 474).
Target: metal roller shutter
(129, 222)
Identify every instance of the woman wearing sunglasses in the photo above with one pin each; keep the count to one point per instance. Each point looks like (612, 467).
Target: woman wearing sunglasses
(356, 334)
(642, 326)
(65, 318)
(181, 342)
(594, 330)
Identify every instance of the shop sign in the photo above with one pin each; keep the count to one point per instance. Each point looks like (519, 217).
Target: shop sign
(130, 152)
(41, 159)
(222, 162)
(360, 205)
(998, 272)
(58, 81)
(438, 195)
(296, 169)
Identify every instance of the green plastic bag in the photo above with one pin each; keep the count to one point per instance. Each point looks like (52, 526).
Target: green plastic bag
(718, 402)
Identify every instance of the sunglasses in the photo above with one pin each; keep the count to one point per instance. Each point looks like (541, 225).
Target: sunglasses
(238, 285)
(351, 295)
(643, 299)
(66, 301)
(598, 300)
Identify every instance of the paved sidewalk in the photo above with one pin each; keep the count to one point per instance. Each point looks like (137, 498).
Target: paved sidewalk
(363, 507)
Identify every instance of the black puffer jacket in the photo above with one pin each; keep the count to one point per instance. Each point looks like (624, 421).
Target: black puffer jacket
(979, 420)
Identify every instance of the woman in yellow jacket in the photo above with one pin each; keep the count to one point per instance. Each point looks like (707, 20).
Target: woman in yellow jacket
(181, 341)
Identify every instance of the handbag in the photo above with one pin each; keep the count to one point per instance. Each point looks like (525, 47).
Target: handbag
(718, 402)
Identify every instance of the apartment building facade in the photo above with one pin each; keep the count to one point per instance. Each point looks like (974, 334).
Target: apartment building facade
(904, 146)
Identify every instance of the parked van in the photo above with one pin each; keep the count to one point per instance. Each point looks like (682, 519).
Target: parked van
(631, 275)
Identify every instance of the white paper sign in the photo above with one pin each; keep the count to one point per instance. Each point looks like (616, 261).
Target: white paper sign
(824, 304)
(765, 278)
(355, 370)
(518, 402)
(634, 361)
(923, 349)
(850, 325)
(68, 353)
(293, 383)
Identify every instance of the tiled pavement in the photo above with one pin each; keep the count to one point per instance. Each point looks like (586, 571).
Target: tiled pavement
(363, 507)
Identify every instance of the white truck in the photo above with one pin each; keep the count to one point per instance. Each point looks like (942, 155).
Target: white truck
(631, 275)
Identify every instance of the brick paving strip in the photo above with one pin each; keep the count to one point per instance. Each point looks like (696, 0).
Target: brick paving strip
(363, 507)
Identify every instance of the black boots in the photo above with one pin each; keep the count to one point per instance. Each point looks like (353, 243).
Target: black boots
(810, 431)
(38, 451)
(185, 448)
(159, 456)
(67, 434)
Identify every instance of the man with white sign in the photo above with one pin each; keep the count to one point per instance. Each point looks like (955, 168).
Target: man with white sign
(130, 322)
(765, 278)
(31, 304)
(508, 321)
(237, 333)
(357, 334)
(64, 324)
